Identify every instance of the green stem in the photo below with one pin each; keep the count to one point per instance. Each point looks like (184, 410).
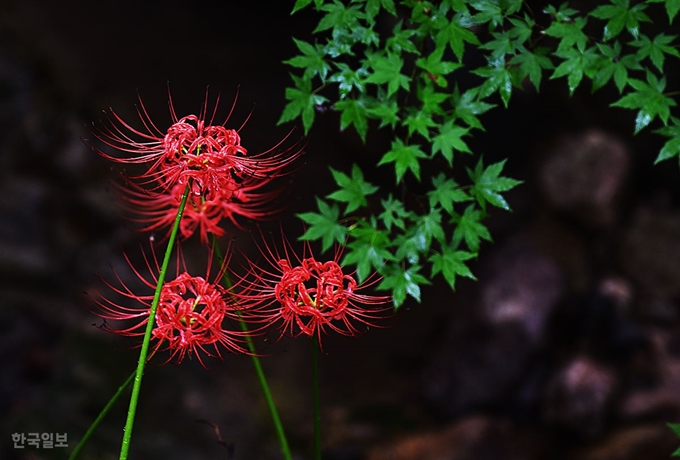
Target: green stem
(283, 442)
(100, 417)
(278, 426)
(134, 398)
(315, 396)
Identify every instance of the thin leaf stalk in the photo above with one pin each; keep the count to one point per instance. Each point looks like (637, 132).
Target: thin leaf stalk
(315, 397)
(134, 397)
(259, 371)
(93, 427)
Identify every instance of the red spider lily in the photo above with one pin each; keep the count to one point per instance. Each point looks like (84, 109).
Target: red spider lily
(225, 180)
(192, 312)
(157, 211)
(192, 147)
(301, 295)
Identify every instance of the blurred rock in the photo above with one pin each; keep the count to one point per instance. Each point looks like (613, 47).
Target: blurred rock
(521, 286)
(482, 363)
(650, 252)
(477, 367)
(579, 397)
(660, 396)
(598, 323)
(473, 438)
(646, 442)
(584, 175)
(566, 246)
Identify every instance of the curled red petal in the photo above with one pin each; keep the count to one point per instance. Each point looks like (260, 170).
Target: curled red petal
(301, 295)
(193, 316)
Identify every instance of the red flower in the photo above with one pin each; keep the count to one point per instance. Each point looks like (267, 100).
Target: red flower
(225, 180)
(302, 295)
(157, 211)
(192, 312)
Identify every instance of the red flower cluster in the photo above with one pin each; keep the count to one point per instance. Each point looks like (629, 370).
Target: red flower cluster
(192, 314)
(298, 294)
(224, 180)
(305, 296)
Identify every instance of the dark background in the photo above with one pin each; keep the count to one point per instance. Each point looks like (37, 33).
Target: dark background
(565, 348)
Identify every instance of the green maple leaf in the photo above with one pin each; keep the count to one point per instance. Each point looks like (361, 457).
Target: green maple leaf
(302, 101)
(348, 79)
(649, 98)
(427, 227)
(394, 214)
(562, 14)
(410, 245)
(312, 60)
(676, 429)
(299, 4)
(672, 147)
(387, 69)
(436, 67)
(432, 100)
(467, 106)
(324, 225)
(339, 16)
(532, 64)
(470, 228)
(451, 263)
(386, 112)
(501, 45)
(672, 8)
(455, 35)
(521, 30)
(401, 40)
(656, 49)
(570, 34)
(450, 137)
(488, 183)
(368, 250)
(445, 192)
(354, 112)
(373, 7)
(404, 157)
(403, 282)
(576, 64)
(459, 6)
(488, 12)
(420, 122)
(620, 15)
(498, 77)
(353, 189)
(614, 65)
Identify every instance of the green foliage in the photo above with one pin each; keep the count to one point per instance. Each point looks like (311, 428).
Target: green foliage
(488, 184)
(402, 282)
(451, 263)
(672, 147)
(649, 98)
(403, 79)
(619, 15)
(404, 157)
(353, 190)
(676, 429)
(302, 102)
(324, 225)
(656, 49)
(672, 7)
